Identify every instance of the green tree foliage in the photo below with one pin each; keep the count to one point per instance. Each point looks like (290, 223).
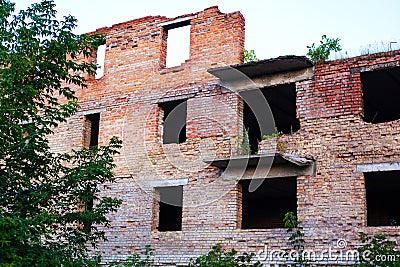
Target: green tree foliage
(43, 220)
(220, 258)
(322, 52)
(378, 251)
(249, 55)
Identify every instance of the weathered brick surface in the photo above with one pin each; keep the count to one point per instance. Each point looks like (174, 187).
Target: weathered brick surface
(331, 204)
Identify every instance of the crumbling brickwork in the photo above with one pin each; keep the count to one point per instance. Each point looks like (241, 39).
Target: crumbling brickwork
(331, 201)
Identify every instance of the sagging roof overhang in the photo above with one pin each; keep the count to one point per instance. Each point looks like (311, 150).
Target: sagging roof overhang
(266, 67)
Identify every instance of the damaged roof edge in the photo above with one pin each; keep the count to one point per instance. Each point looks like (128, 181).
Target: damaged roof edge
(267, 66)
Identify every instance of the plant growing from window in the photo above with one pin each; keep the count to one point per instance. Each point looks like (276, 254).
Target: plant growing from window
(245, 148)
(273, 135)
(321, 53)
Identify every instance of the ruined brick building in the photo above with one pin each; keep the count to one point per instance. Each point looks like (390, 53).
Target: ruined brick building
(183, 182)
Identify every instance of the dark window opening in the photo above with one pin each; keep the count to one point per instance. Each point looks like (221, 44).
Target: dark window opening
(170, 208)
(174, 119)
(382, 192)
(282, 102)
(91, 138)
(381, 95)
(92, 124)
(177, 43)
(267, 205)
(87, 226)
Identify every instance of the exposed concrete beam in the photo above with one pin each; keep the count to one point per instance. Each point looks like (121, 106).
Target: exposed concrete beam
(166, 183)
(379, 167)
(284, 78)
(276, 171)
(175, 21)
(243, 84)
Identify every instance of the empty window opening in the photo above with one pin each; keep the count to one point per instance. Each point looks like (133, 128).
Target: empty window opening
(174, 121)
(170, 208)
(178, 43)
(266, 206)
(382, 192)
(100, 57)
(91, 133)
(282, 103)
(87, 226)
(381, 95)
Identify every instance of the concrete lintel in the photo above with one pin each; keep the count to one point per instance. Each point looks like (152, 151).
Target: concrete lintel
(175, 21)
(379, 167)
(375, 67)
(166, 183)
(92, 111)
(173, 98)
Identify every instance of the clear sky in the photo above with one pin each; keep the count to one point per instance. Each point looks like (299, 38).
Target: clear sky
(273, 27)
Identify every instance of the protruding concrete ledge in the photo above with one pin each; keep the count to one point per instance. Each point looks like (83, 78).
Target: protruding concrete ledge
(264, 73)
(274, 165)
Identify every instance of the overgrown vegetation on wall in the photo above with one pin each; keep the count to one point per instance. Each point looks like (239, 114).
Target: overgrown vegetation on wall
(249, 55)
(323, 50)
(217, 257)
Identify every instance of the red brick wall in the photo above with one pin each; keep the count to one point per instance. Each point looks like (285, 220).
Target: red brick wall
(134, 82)
(331, 204)
(336, 88)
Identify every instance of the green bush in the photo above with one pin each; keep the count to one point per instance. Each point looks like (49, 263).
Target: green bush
(217, 257)
(136, 260)
(378, 251)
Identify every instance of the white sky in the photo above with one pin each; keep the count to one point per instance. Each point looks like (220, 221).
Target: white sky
(273, 27)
